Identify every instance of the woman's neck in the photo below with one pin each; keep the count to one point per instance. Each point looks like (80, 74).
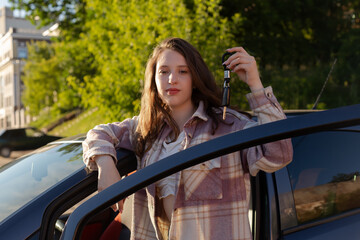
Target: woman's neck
(181, 116)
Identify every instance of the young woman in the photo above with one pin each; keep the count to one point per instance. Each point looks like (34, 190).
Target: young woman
(180, 108)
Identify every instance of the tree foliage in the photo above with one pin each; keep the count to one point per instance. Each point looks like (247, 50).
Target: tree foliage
(52, 74)
(69, 14)
(296, 43)
(41, 84)
(123, 40)
(99, 59)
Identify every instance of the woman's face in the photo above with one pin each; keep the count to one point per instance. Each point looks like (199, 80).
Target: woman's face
(173, 80)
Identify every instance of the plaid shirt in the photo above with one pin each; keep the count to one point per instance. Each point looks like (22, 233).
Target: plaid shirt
(212, 198)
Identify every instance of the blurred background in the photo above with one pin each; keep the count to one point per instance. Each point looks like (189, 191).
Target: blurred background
(68, 65)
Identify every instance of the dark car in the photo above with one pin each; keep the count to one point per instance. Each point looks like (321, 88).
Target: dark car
(22, 139)
(314, 197)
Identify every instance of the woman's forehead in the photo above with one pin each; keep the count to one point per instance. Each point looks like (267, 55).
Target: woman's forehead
(170, 57)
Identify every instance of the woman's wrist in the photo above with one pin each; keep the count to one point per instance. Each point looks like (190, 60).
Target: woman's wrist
(103, 161)
(257, 86)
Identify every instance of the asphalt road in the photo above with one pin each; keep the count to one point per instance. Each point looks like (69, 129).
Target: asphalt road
(13, 156)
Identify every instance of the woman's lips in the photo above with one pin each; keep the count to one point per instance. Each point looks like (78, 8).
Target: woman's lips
(172, 91)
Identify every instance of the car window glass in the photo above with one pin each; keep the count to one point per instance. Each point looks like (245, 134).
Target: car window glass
(30, 132)
(34, 174)
(15, 133)
(325, 174)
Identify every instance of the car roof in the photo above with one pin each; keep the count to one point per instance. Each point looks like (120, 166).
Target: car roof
(73, 139)
(298, 112)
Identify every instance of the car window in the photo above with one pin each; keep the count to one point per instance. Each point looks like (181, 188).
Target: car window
(32, 175)
(14, 133)
(325, 174)
(30, 132)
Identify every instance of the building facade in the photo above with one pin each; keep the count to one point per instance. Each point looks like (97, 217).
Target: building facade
(15, 34)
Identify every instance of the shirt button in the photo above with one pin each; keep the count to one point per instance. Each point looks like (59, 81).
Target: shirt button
(269, 95)
(189, 135)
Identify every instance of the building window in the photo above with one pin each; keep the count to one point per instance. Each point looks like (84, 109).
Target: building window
(8, 101)
(1, 92)
(8, 121)
(22, 49)
(1, 100)
(22, 52)
(7, 79)
(7, 54)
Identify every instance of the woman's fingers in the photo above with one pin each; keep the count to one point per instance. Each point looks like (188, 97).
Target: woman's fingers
(239, 58)
(244, 65)
(237, 49)
(119, 206)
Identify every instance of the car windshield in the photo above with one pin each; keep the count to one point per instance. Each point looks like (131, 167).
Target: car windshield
(30, 176)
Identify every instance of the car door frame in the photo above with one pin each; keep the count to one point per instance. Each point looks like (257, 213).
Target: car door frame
(288, 128)
(126, 163)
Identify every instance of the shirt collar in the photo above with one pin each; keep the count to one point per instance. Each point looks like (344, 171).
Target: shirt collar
(200, 112)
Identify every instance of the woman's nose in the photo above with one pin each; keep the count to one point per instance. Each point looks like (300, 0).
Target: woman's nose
(172, 78)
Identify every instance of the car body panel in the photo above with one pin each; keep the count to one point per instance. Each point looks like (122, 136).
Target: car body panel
(342, 228)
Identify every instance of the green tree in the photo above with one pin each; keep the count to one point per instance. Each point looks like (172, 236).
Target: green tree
(100, 56)
(296, 43)
(122, 35)
(345, 85)
(52, 74)
(70, 15)
(41, 85)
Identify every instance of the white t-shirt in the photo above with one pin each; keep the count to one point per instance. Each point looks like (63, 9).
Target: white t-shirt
(166, 186)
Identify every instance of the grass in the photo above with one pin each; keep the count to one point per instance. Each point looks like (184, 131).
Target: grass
(45, 119)
(81, 124)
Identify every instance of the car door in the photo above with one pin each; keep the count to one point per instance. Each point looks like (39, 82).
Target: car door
(236, 141)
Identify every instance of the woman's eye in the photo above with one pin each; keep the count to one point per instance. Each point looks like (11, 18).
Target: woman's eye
(163, 71)
(183, 71)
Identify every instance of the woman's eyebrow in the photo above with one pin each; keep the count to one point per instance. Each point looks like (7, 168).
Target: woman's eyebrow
(175, 66)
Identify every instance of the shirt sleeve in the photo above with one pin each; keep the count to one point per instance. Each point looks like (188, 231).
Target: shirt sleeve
(271, 156)
(103, 139)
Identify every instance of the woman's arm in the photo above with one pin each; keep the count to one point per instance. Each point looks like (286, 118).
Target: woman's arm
(105, 138)
(271, 156)
(108, 175)
(99, 151)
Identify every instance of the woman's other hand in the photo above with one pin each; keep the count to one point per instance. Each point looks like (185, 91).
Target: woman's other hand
(244, 65)
(107, 176)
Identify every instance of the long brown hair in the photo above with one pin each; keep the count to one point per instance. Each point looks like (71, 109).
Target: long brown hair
(154, 112)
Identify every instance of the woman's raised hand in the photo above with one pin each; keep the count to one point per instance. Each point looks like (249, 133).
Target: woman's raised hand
(244, 65)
